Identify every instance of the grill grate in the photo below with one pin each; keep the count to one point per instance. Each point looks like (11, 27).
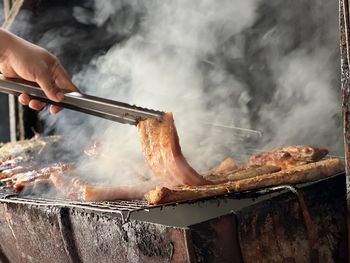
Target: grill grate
(121, 207)
(125, 208)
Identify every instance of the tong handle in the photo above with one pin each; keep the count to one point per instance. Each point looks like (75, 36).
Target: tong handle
(104, 108)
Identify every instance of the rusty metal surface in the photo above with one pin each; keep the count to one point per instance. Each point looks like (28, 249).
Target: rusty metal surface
(268, 230)
(344, 52)
(25, 232)
(276, 230)
(345, 87)
(30, 233)
(100, 238)
(216, 240)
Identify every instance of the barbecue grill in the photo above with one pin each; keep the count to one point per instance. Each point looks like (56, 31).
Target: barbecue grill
(272, 224)
(300, 223)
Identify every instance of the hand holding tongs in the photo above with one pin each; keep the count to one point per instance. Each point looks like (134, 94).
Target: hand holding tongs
(104, 108)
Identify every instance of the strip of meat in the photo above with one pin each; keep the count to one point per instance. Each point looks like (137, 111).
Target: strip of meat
(21, 180)
(71, 186)
(305, 152)
(66, 182)
(226, 166)
(110, 193)
(243, 173)
(289, 156)
(162, 151)
(27, 149)
(17, 170)
(300, 174)
(12, 163)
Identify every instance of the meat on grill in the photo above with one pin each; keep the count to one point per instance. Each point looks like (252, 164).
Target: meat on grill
(71, 185)
(12, 162)
(243, 173)
(226, 166)
(16, 170)
(162, 151)
(110, 193)
(289, 156)
(298, 174)
(24, 150)
(20, 180)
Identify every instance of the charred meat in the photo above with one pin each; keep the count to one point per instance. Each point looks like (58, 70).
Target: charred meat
(243, 173)
(162, 151)
(28, 149)
(298, 174)
(72, 185)
(21, 179)
(289, 156)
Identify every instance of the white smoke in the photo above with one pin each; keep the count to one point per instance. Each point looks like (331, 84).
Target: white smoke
(304, 106)
(160, 68)
(188, 57)
(304, 60)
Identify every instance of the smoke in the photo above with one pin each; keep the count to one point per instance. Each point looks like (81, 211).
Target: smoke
(166, 66)
(269, 66)
(306, 105)
(303, 59)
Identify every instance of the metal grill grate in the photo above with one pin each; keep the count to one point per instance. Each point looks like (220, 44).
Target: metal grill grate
(121, 207)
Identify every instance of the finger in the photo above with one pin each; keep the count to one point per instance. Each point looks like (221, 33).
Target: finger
(24, 99)
(62, 80)
(8, 72)
(50, 88)
(55, 109)
(36, 105)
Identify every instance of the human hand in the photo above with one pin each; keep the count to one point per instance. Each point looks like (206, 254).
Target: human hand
(24, 60)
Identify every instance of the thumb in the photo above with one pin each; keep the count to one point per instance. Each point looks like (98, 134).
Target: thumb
(63, 82)
(50, 88)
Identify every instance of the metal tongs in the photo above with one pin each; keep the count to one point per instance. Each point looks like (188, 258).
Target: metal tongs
(104, 108)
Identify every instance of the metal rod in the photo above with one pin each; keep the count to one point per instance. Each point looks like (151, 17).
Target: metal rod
(244, 130)
(12, 118)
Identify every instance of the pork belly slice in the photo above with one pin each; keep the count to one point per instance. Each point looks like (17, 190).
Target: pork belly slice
(290, 156)
(13, 162)
(162, 152)
(110, 193)
(243, 173)
(226, 166)
(16, 170)
(29, 149)
(73, 187)
(299, 174)
(21, 180)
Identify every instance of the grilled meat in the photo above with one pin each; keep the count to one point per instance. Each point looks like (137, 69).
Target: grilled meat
(289, 156)
(13, 171)
(20, 180)
(110, 193)
(162, 151)
(226, 166)
(299, 174)
(72, 186)
(66, 182)
(243, 173)
(28, 149)
(13, 162)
